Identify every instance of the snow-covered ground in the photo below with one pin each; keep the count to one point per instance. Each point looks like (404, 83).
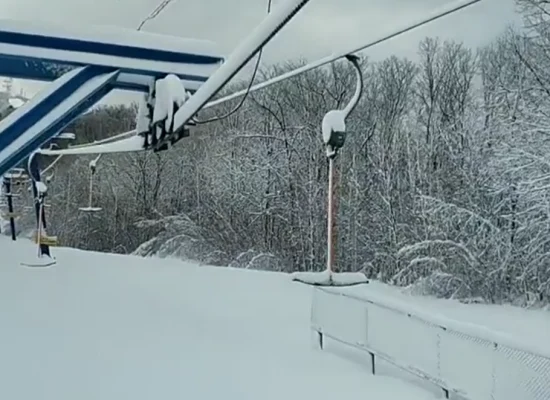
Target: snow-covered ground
(99, 326)
(102, 326)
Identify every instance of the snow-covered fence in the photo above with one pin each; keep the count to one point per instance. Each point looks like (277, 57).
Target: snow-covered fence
(460, 358)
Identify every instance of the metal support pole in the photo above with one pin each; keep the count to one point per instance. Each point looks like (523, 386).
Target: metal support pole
(330, 216)
(91, 188)
(9, 196)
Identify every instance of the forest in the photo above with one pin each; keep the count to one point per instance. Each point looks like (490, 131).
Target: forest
(444, 180)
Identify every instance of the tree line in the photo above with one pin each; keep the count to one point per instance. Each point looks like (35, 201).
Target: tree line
(444, 180)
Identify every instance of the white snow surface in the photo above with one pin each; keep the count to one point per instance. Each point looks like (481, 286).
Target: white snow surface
(143, 119)
(16, 102)
(66, 136)
(126, 145)
(100, 326)
(169, 91)
(325, 278)
(41, 187)
(333, 121)
(93, 163)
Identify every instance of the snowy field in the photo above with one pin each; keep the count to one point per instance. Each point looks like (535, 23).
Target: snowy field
(100, 326)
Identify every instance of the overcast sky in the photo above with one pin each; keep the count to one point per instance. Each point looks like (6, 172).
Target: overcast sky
(321, 27)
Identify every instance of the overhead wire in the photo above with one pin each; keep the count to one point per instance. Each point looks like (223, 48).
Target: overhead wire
(247, 90)
(154, 13)
(408, 26)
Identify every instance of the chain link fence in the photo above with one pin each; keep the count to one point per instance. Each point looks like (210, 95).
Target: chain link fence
(464, 360)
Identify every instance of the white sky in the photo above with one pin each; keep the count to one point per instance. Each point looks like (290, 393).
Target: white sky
(323, 25)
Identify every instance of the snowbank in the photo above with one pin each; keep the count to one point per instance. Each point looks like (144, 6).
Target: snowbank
(101, 326)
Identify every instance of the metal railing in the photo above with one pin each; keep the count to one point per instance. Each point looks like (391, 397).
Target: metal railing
(460, 358)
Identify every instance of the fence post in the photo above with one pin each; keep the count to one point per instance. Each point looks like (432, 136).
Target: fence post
(373, 363)
(321, 339)
(494, 370)
(9, 198)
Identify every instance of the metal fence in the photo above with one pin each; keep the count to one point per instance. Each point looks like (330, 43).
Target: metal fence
(461, 359)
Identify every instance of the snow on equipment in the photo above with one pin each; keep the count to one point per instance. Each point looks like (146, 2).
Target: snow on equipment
(66, 136)
(93, 168)
(43, 257)
(334, 137)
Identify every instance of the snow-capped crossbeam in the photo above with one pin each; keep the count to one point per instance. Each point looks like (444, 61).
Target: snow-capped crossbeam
(40, 51)
(131, 144)
(248, 48)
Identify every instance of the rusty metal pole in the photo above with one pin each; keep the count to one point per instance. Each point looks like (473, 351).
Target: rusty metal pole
(335, 207)
(330, 216)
